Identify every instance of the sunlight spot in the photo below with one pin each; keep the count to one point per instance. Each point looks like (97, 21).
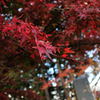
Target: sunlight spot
(20, 9)
(9, 95)
(22, 97)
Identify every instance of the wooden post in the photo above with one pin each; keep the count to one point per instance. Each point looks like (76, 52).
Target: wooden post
(82, 89)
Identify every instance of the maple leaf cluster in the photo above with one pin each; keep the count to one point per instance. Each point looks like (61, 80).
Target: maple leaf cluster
(28, 36)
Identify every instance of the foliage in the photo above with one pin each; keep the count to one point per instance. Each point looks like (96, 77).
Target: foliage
(33, 32)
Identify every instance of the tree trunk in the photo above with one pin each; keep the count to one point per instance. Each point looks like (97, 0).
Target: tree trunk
(47, 94)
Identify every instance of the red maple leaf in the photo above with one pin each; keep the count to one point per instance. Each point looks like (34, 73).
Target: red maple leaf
(68, 50)
(50, 6)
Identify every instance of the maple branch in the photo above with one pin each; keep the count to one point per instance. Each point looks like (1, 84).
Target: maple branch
(87, 41)
(17, 44)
